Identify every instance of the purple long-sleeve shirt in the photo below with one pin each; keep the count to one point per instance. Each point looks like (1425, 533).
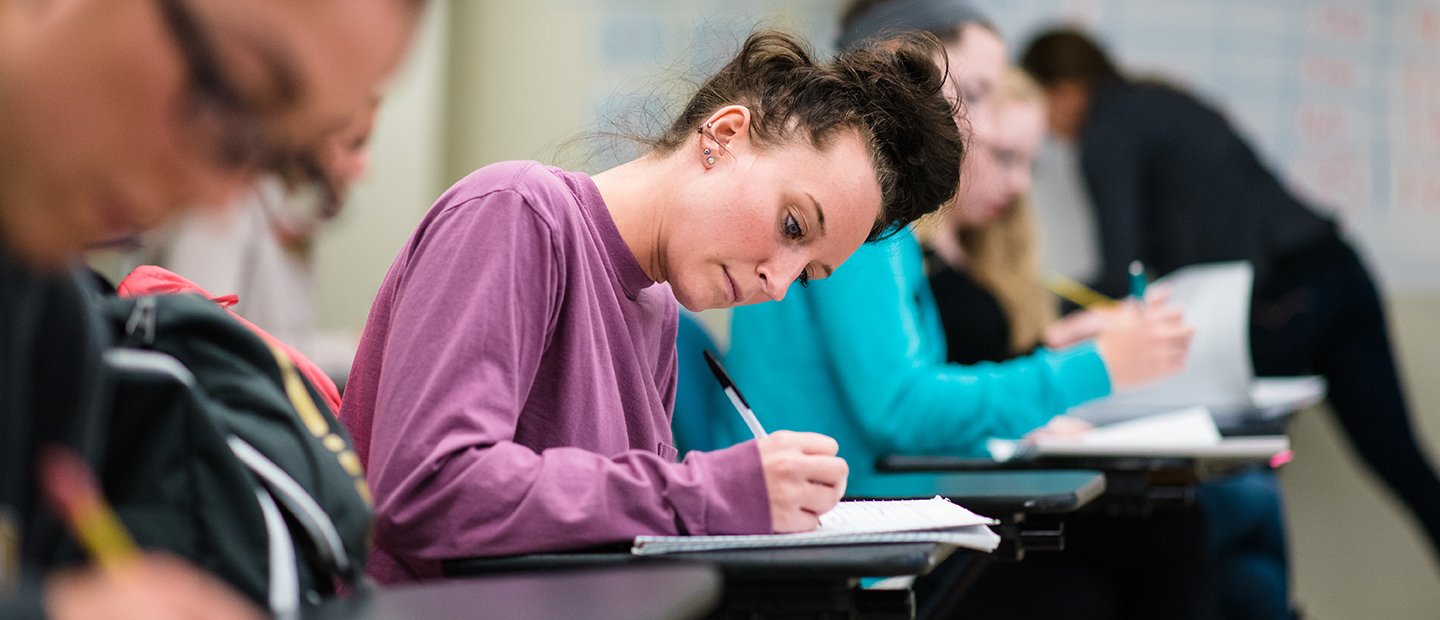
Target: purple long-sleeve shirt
(513, 388)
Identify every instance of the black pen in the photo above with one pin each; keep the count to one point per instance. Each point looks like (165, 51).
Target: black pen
(735, 398)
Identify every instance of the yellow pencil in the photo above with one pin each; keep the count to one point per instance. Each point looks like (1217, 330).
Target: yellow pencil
(70, 485)
(1075, 292)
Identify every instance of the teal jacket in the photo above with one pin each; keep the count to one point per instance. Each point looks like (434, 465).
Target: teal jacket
(861, 357)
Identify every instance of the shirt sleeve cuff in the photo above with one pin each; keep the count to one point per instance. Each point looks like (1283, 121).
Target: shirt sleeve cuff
(1080, 372)
(736, 499)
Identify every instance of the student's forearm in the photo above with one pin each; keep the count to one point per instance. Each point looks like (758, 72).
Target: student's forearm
(953, 408)
(506, 499)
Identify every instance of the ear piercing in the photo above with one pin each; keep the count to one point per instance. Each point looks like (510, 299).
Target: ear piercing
(709, 161)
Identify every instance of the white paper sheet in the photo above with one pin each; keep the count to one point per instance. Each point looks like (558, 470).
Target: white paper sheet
(854, 522)
(1188, 433)
(1218, 372)
(897, 516)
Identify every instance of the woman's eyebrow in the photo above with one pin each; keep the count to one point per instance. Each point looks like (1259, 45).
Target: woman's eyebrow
(203, 60)
(819, 212)
(820, 218)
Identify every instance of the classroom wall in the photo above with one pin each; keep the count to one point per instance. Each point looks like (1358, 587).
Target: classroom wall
(501, 79)
(1356, 555)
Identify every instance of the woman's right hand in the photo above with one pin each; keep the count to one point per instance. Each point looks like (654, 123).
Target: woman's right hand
(1144, 344)
(803, 476)
(1075, 327)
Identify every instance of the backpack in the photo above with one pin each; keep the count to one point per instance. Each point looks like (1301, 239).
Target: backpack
(220, 452)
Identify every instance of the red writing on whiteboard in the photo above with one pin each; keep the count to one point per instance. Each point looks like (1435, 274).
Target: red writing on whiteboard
(1420, 81)
(1431, 133)
(1340, 22)
(1427, 25)
(1320, 122)
(1417, 130)
(1327, 72)
(1417, 188)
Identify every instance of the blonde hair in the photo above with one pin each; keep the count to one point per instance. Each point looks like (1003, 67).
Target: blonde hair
(1004, 255)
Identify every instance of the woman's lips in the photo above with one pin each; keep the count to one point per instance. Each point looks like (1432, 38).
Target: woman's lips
(734, 287)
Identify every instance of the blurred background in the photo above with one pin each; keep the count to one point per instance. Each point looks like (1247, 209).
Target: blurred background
(1341, 98)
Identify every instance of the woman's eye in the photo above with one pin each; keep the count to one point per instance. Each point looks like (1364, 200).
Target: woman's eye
(1005, 157)
(792, 228)
(804, 279)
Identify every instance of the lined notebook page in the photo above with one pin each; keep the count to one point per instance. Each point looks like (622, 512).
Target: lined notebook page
(898, 516)
(935, 520)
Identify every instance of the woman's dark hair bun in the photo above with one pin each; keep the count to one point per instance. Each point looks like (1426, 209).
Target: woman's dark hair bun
(892, 92)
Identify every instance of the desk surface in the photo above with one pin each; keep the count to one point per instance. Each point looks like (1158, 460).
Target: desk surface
(1230, 452)
(1246, 449)
(670, 592)
(792, 563)
(1008, 492)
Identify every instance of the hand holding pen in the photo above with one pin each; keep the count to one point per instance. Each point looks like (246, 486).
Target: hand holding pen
(1142, 342)
(803, 476)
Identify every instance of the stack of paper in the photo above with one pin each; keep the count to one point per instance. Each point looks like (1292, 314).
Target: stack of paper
(1280, 395)
(1189, 432)
(860, 522)
(1218, 373)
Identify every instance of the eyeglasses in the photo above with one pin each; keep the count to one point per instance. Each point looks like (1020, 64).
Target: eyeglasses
(237, 132)
(1009, 159)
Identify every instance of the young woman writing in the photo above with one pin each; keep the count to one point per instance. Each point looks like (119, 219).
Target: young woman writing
(514, 383)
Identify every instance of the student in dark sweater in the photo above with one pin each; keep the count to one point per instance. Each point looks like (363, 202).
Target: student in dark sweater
(1173, 184)
(113, 115)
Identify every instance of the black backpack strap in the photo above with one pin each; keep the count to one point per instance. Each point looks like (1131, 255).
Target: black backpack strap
(284, 573)
(318, 425)
(283, 579)
(141, 324)
(301, 507)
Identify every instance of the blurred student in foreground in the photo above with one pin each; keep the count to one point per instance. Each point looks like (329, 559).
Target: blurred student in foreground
(115, 114)
(261, 248)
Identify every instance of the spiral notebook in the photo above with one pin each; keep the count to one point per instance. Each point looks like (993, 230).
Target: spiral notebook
(934, 520)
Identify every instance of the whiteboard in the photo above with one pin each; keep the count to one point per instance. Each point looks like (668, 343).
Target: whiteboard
(1341, 99)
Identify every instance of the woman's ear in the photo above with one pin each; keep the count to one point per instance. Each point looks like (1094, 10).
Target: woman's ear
(725, 133)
